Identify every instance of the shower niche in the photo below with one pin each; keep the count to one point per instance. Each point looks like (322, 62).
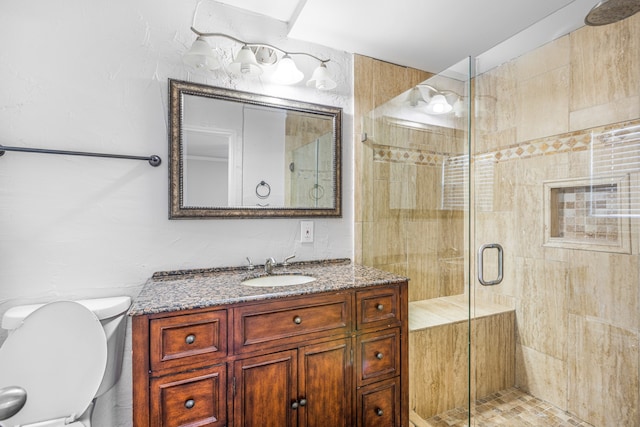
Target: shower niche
(588, 214)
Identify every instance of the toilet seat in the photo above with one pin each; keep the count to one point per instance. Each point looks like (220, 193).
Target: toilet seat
(58, 355)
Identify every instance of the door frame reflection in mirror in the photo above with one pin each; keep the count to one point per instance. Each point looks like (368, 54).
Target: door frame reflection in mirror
(178, 90)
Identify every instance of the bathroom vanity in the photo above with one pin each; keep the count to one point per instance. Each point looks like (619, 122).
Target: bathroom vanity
(210, 351)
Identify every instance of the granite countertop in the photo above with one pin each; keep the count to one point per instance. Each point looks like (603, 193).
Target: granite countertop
(187, 289)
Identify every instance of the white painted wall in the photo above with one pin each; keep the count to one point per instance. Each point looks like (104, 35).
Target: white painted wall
(92, 76)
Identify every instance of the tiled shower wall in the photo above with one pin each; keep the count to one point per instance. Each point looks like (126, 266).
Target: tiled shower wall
(400, 226)
(577, 310)
(383, 237)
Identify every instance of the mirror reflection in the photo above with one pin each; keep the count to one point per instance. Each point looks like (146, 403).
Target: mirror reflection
(241, 154)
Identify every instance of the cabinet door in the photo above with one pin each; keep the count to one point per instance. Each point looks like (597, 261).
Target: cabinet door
(378, 356)
(325, 384)
(379, 404)
(191, 399)
(266, 390)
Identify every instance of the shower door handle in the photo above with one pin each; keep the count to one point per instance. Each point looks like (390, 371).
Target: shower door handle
(481, 278)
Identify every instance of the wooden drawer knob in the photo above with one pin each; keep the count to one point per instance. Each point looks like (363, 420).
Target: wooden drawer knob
(190, 403)
(297, 320)
(190, 339)
(379, 356)
(379, 307)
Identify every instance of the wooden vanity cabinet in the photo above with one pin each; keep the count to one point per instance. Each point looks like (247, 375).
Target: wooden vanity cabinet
(308, 386)
(327, 359)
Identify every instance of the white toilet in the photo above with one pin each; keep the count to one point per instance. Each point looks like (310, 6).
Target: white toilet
(64, 354)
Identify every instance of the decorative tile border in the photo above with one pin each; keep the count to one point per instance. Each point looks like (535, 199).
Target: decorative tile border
(568, 142)
(408, 155)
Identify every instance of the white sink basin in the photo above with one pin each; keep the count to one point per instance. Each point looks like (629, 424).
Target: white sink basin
(277, 280)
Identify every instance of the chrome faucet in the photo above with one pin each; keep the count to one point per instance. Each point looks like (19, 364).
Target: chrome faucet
(286, 260)
(269, 264)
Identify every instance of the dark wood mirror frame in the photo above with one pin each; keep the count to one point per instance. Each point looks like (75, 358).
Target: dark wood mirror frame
(177, 209)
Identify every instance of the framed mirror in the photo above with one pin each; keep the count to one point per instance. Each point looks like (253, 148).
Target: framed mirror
(241, 155)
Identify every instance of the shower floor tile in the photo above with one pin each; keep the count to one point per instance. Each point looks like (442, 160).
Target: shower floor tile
(511, 407)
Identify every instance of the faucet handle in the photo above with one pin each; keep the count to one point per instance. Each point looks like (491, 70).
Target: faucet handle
(250, 266)
(286, 260)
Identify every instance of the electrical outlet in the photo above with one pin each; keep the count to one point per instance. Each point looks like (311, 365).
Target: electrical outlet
(306, 231)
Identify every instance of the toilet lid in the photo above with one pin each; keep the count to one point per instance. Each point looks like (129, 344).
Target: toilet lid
(58, 355)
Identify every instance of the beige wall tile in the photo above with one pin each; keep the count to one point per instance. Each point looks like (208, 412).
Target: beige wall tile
(437, 374)
(605, 63)
(553, 55)
(364, 183)
(504, 186)
(495, 101)
(542, 107)
(541, 307)
(617, 111)
(604, 389)
(605, 286)
(542, 375)
(494, 350)
(579, 165)
(439, 362)
(385, 242)
(425, 277)
(428, 192)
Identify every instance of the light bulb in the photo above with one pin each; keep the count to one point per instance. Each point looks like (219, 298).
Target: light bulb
(439, 105)
(201, 57)
(245, 63)
(287, 73)
(321, 78)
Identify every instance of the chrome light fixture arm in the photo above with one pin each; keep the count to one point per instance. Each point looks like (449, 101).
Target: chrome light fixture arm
(438, 91)
(251, 44)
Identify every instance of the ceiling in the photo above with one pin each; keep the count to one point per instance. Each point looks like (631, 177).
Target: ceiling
(430, 35)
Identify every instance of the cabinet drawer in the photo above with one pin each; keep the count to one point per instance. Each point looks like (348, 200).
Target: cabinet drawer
(378, 356)
(378, 306)
(198, 339)
(284, 322)
(379, 404)
(195, 398)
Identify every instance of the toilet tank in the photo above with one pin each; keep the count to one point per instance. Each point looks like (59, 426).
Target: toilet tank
(111, 314)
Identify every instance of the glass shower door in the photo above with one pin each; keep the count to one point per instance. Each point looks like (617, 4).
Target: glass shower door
(415, 222)
(556, 183)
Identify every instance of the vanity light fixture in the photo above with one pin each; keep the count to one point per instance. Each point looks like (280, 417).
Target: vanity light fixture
(201, 57)
(321, 78)
(437, 101)
(253, 58)
(415, 97)
(438, 105)
(245, 63)
(286, 72)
